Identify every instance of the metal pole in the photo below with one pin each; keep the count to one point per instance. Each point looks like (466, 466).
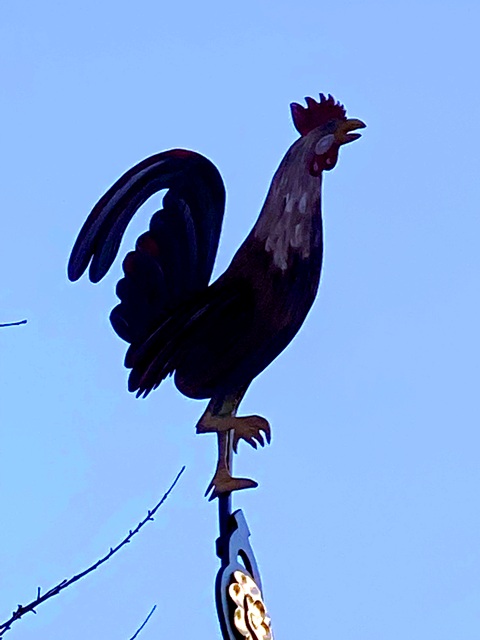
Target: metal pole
(225, 500)
(238, 587)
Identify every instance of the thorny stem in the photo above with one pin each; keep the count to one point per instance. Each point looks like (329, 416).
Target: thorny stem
(23, 609)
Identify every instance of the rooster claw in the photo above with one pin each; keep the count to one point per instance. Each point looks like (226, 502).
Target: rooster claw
(223, 482)
(250, 429)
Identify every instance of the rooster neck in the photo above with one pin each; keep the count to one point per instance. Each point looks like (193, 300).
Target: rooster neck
(290, 220)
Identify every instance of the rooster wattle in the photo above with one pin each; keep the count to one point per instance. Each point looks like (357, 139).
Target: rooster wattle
(215, 338)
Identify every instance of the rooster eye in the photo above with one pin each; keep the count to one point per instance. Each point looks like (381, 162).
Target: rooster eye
(324, 144)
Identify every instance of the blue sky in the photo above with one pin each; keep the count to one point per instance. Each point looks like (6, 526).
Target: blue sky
(366, 522)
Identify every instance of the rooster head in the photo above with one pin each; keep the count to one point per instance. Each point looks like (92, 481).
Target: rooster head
(327, 123)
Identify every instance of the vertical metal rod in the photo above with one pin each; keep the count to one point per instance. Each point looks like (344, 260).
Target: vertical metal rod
(225, 501)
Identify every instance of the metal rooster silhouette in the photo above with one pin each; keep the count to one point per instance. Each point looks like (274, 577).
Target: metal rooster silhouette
(215, 338)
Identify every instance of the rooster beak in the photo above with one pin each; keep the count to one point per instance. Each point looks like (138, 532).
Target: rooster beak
(342, 133)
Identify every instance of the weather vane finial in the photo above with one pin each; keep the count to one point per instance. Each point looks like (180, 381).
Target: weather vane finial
(216, 337)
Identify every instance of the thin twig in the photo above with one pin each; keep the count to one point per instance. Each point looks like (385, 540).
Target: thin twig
(13, 324)
(23, 609)
(145, 622)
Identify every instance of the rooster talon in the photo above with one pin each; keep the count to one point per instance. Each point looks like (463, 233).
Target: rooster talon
(268, 433)
(209, 488)
(215, 494)
(223, 483)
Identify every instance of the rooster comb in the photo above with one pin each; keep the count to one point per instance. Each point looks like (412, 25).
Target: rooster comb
(316, 113)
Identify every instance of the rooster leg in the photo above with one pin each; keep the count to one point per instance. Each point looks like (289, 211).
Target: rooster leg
(220, 418)
(248, 428)
(223, 482)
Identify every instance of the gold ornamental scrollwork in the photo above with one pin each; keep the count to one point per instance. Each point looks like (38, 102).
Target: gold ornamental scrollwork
(250, 617)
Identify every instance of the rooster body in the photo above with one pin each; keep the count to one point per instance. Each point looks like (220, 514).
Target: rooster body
(216, 338)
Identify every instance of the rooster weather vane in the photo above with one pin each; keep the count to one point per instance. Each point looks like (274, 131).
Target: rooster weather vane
(215, 338)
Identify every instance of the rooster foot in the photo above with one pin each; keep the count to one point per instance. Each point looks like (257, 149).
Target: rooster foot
(222, 482)
(248, 428)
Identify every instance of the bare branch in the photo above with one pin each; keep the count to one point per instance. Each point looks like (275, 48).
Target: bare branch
(146, 620)
(13, 324)
(23, 609)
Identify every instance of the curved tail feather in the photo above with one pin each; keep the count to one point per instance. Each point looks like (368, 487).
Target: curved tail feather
(189, 176)
(174, 259)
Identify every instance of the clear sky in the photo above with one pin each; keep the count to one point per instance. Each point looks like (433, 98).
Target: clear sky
(366, 523)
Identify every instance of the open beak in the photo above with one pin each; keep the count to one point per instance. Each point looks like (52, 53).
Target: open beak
(343, 133)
